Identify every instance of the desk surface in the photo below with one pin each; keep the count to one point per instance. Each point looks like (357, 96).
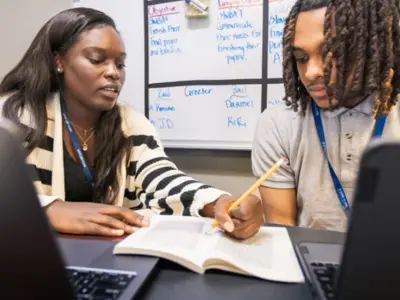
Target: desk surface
(171, 281)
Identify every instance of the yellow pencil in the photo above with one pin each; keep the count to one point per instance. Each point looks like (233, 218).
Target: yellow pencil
(254, 187)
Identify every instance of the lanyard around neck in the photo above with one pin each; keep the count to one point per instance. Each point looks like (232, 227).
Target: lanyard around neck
(77, 146)
(377, 133)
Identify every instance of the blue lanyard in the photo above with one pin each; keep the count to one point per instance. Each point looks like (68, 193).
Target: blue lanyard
(378, 130)
(78, 148)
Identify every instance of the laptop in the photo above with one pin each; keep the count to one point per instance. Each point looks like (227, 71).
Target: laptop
(32, 264)
(367, 266)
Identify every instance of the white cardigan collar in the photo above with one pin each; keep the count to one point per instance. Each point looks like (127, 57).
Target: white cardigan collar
(58, 181)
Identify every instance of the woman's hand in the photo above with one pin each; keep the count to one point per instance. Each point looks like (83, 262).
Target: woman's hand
(93, 218)
(242, 222)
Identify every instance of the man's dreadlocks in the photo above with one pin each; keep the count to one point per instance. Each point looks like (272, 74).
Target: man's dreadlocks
(365, 45)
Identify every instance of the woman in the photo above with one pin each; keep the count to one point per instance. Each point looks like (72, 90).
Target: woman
(96, 161)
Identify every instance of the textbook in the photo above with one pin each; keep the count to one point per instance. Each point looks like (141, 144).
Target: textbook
(189, 242)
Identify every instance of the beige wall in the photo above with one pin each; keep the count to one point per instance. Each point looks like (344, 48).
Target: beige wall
(20, 20)
(229, 172)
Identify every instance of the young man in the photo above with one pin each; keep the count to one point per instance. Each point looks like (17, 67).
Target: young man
(342, 78)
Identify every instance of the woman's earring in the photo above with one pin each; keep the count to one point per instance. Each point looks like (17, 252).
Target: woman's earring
(59, 70)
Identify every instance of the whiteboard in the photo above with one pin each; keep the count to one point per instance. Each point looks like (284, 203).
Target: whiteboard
(278, 11)
(216, 117)
(226, 45)
(275, 94)
(200, 121)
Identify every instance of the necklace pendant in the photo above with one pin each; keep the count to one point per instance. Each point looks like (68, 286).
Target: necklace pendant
(84, 147)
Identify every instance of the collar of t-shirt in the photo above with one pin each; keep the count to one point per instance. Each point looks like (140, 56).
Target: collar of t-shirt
(364, 107)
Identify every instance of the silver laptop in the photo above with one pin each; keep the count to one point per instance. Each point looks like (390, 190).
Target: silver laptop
(32, 265)
(367, 266)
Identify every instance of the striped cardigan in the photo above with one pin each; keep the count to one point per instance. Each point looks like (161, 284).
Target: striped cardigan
(148, 180)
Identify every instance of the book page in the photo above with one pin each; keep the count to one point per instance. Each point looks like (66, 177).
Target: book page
(182, 235)
(178, 237)
(268, 255)
(253, 251)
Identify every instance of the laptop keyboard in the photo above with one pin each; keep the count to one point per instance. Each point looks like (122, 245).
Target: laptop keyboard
(96, 284)
(326, 274)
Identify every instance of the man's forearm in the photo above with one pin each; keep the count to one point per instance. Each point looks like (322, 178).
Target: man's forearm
(281, 220)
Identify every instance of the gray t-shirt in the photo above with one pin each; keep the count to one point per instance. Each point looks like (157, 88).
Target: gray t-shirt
(281, 131)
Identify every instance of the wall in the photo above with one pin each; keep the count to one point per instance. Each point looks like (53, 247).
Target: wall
(20, 20)
(229, 172)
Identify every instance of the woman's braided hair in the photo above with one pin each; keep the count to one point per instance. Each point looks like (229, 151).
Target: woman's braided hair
(365, 49)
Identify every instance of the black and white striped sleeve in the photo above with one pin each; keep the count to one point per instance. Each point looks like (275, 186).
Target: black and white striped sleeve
(158, 184)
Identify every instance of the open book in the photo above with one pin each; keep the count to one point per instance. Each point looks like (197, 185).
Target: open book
(187, 241)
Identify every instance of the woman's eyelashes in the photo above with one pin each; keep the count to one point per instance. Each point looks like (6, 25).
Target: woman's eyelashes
(95, 61)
